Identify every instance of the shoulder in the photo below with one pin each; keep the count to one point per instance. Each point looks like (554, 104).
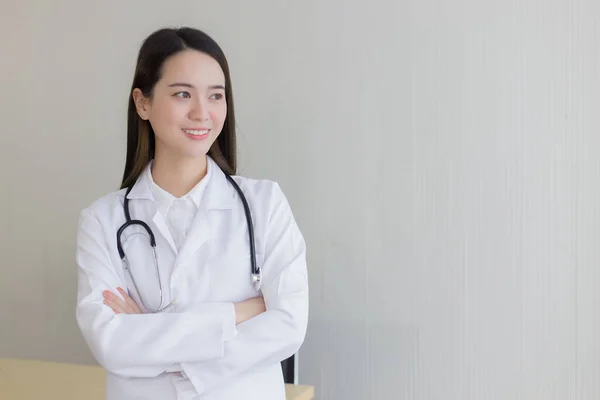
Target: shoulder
(267, 201)
(105, 205)
(263, 191)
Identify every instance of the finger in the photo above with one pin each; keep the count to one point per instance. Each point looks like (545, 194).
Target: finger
(122, 302)
(130, 302)
(114, 306)
(115, 302)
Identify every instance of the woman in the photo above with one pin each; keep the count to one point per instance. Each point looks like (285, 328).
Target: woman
(189, 321)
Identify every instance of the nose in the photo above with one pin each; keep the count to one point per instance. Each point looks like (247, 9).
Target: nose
(199, 111)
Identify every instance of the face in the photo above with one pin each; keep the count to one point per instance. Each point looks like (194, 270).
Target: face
(187, 108)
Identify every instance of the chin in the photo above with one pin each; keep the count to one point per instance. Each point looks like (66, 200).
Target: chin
(196, 152)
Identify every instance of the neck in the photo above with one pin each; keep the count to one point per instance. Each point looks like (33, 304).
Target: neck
(178, 175)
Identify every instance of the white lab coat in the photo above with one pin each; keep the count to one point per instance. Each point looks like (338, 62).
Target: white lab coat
(211, 271)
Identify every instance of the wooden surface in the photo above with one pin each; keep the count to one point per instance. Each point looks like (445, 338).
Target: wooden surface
(34, 380)
(299, 392)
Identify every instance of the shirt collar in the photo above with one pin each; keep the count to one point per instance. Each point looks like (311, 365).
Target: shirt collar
(164, 199)
(219, 194)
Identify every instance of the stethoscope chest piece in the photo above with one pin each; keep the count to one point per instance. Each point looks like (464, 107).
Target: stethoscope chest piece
(256, 280)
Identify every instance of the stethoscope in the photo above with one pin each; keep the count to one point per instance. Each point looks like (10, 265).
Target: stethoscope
(256, 274)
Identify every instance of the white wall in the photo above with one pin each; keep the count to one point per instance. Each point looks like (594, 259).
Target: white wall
(442, 159)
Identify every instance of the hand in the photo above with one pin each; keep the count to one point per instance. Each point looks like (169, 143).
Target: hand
(249, 309)
(119, 305)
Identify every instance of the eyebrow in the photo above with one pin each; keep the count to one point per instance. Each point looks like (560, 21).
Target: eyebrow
(188, 85)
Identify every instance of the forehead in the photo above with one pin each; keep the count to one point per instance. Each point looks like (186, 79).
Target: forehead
(193, 67)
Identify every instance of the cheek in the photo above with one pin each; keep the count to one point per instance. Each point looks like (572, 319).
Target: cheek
(166, 119)
(164, 112)
(218, 115)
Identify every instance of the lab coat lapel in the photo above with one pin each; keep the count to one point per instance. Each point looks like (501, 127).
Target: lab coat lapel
(161, 225)
(219, 195)
(141, 191)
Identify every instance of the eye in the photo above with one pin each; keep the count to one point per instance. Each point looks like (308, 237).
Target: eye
(183, 95)
(217, 96)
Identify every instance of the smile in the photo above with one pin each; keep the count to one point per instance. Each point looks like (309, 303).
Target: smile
(197, 132)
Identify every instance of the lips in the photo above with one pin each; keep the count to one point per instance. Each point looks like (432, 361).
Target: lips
(197, 134)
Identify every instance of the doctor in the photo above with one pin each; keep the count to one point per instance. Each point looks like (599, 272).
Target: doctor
(186, 319)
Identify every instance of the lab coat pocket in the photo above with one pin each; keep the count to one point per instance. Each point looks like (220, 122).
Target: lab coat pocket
(231, 277)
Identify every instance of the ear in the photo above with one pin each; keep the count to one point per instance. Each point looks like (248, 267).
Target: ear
(141, 103)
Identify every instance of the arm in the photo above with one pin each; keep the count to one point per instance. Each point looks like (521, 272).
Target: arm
(278, 333)
(143, 345)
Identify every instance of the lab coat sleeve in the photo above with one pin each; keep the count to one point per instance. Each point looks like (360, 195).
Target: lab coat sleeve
(278, 333)
(142, 345)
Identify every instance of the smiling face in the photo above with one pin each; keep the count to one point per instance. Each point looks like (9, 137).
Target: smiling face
(187, 108)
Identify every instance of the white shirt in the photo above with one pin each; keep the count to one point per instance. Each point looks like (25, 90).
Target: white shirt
(207, 272)
(179, 212)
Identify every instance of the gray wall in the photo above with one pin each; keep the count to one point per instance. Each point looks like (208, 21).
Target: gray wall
(442, 159)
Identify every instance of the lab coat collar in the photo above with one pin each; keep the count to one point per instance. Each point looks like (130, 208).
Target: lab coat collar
(219, 194)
